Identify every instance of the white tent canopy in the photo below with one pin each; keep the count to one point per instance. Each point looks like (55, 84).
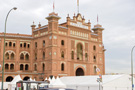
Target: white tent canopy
(5, 86)
(16, 79)
(12, 84)
(46, 79)
(52, 80)
(57, 83)
(121, 83)
(110, 82)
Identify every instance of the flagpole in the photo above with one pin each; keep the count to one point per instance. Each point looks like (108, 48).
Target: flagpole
(78, 5)
(97, 18)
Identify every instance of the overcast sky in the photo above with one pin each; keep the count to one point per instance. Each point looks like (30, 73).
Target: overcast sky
(116, 16)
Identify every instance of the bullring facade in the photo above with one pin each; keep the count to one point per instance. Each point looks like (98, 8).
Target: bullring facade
(68, 49)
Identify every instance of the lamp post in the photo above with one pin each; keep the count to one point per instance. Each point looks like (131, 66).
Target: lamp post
(132, 67)
(4, 47)
(99, 80)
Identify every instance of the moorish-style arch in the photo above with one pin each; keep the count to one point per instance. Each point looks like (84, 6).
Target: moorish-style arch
(27, 56)
(11, 66)
(62, 54)
(12, 56)
(26, 67)
(25, 52)
(43, 67)
(62, 67)
(7, 56)
(6, 66)
(79, 51)
(24, 55)
(10, 52)
(26, 78)
(9, 79)
(79, 72)
(35, 67)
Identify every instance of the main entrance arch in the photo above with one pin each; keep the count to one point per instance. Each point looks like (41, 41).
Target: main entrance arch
(79, 72)
(9, 79)
(26, 78)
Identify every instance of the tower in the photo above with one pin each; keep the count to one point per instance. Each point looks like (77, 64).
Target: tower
(98, 31)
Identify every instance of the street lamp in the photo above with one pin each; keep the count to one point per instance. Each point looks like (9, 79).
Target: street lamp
(132, 67)
(4, 47)
(99, 80)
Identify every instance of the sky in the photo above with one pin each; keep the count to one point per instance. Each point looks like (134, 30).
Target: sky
(116, 16)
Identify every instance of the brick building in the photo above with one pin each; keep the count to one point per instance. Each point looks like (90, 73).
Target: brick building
(68, 49)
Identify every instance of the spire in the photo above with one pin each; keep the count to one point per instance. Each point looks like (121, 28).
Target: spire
(39, 25)
(78, 5)
(33, 22)
(33, 26)
(67, 15)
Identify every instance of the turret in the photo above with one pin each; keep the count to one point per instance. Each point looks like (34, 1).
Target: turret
(98, 30)
(33, 28)
(53, 19)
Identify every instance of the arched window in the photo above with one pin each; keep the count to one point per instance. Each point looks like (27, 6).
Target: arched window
(26, 78)
(11, 66)
(9, 79)
(20, 44)
(43, 55)
(94, 48)
(24, 45)
(6, 44)
(7, 56)
(79, 52)
(43, 43)
(26, 67)
(86, 56)
(35, 67)
(94, 58)
(10, 44)
(62, 54)
(27, 56)
(72, 55)
(95, 69)
(62, 42)
(28, 45)
(22, 56)
(62, 67)
(21, 67)
(13, 44)
(12, 56)
(6, 66)
(43, 67)
(35, 56)
(35, 44)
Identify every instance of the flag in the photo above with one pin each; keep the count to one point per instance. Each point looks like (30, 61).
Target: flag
(53, 7)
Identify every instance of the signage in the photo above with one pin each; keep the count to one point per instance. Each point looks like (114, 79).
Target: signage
(79, 24)
(132, 85)
(18, 86)
(98, 72)
(97, 69)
